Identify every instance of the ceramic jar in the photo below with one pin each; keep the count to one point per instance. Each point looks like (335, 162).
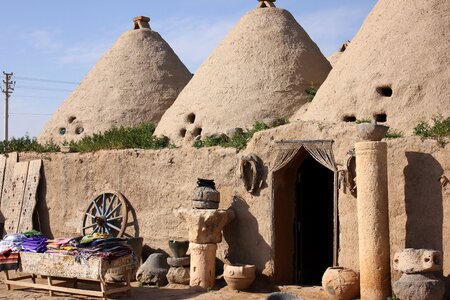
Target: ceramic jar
(239, 277)
(340, 283)
(205, 195)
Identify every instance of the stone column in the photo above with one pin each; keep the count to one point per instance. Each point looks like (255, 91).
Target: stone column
(205, 232)
(373, 220)
(203, 265)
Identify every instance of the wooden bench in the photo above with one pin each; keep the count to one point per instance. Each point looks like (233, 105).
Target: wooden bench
(66, 267)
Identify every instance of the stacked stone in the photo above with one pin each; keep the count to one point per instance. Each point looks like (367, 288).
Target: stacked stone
(205, 223)
(419, 281)
(179, 269)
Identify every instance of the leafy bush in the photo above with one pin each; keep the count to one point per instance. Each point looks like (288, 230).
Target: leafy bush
(439, 131)
(311, 92)
(26, 144)
(393, 134)
(239, 140)
(121, 138)
(361, 121)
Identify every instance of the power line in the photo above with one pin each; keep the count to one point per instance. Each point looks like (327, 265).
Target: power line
(41, 89)
(35, 97)
(30, 114)
(45, 80)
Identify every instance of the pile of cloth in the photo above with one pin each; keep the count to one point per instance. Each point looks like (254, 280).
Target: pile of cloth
(37, 243)
(12, 242)
(9, 248)
(61, 246)
(95, 245)
(106, 248)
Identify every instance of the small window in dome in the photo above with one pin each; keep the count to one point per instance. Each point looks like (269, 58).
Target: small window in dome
(381, 118)
(197, 132)
(190, 118)
(71, 119)
(183, 132)
(385, 91)
(62, 131)
(79, 130)
(349, 118)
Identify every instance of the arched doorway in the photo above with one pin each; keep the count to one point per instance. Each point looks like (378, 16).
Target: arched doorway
(304, 220)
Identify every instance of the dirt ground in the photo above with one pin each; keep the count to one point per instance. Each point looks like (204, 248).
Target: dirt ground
(171, 292)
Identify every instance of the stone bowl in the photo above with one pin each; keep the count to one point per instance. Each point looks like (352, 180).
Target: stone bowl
(239, 277)
(371, 131)
(178, 248)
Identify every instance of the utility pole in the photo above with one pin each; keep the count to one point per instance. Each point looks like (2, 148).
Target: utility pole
(8, 89)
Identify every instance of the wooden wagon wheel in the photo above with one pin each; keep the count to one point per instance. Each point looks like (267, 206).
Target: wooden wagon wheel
(107, 213)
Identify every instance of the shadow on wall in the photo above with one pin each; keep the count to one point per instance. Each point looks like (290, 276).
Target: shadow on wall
(132, 227)
(41, 218)
(423, 203)
(246, 245)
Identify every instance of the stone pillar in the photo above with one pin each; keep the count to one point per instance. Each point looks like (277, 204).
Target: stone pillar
(373, 220)
(203, 265)
(205, 231)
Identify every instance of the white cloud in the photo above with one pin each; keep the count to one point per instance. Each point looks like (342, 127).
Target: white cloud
(194, 39)
(332, 27)
(84, 54)
(42, 39)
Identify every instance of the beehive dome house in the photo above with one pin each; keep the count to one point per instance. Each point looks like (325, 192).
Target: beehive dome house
(134, 82)
(261, 69)
(392, 72)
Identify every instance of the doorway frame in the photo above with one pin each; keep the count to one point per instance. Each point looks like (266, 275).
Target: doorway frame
(288, 150)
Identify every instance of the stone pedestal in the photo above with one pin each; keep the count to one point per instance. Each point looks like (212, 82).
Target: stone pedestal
(205, 225)
(373, 220)
(205, 231)
(203, 265)
(418, 281)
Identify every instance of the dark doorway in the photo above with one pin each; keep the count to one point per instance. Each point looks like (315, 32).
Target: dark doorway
(314, 222)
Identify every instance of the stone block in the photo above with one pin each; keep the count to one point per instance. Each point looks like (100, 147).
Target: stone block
(419, 287)
(154, 270)
(179, 262)
(413, 261)
(178, 275)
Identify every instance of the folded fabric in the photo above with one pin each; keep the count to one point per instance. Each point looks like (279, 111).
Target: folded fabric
(92, 237)
(36, 243)
(13, 241)
(32, 233)
(9, 261)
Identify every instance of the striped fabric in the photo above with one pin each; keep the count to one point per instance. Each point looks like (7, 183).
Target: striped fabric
(9, 261)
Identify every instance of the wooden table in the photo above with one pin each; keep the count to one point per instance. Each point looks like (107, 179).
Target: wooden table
(66, 267)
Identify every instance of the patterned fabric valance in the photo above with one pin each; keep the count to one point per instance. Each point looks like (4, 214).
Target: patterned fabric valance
(320, 150)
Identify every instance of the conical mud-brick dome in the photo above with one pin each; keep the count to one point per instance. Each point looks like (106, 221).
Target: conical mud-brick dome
(396, 69)
(260, 70)
(134, 82)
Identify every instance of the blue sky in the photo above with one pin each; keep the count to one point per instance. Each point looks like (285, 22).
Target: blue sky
(62, 40)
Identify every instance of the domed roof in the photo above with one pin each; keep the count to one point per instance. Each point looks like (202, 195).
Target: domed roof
(396, 69)
(261, 69)
(134, 82)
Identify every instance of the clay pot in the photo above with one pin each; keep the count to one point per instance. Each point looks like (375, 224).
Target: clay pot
(178, 248)
(340, 283)
(239, 277)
